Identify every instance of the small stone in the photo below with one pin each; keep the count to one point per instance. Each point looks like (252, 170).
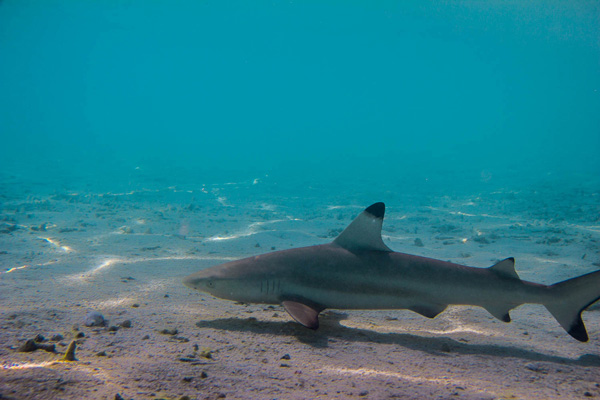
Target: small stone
(50, 348)
(187, 378)
(94, 318)
(113, 328)
(285, 357)
(257, 245)
(419, 242)
(57, 338)
(80, 335)
(203, 375)
(39, 338)
(101, 354)
(535, 367)
(29, 346)
(184, 398)
(363, 393)
(126, 230)
(588, 394)
(125, 324)
(135, 305)
(166, 331)
(118, 397)
(284, 365)
(146, 337)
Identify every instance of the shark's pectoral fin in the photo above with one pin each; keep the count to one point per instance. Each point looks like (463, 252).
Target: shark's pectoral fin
(306, 315)
(428, 310)
(499, 311)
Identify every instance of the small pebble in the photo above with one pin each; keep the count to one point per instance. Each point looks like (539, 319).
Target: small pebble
(101, 354)
(113, 328)
(419, 242)
(125, 324)
(168, 331)
(94, 318)
(57, 338)
(285, 357)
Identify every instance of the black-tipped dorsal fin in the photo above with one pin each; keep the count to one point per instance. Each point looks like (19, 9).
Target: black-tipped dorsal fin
(364, 233)
(505, 268)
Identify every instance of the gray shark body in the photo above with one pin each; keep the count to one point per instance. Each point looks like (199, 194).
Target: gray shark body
(358, 271)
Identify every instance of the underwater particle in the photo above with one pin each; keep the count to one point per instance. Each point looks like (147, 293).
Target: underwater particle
(70, 353)
(94, 318)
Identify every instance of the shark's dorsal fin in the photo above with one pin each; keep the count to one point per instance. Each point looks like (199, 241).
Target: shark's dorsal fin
(505, 268)
(364, 233)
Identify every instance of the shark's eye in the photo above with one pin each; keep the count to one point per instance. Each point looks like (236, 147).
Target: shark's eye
(210, 284)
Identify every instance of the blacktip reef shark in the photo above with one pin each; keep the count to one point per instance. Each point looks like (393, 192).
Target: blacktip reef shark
(358, 271)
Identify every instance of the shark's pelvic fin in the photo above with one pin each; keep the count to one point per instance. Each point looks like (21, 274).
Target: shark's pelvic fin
(428, 310)
(306, 315)
(505, 268)
(500, 311)
(364, 233)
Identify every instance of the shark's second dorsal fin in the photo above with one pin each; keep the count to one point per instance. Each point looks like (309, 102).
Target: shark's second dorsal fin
(505, 268)
(364, 233)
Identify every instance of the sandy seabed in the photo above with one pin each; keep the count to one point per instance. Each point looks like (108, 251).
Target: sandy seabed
(124, 255)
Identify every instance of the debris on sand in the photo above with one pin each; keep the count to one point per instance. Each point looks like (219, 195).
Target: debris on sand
(70, 354)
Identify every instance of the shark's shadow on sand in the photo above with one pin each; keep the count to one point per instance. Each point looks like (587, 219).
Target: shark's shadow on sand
(331, 328)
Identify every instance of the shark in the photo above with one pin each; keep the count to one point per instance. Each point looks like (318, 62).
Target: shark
(358, 271)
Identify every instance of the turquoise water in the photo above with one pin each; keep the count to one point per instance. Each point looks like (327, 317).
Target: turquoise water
(143, 141)
(334, 90)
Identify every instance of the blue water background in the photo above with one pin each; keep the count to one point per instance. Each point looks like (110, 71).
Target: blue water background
(396, 94)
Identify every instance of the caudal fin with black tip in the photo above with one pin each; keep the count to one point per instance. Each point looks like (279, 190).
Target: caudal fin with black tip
(571, 298)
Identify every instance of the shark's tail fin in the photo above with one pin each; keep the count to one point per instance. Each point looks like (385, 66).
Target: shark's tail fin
(572, 297)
